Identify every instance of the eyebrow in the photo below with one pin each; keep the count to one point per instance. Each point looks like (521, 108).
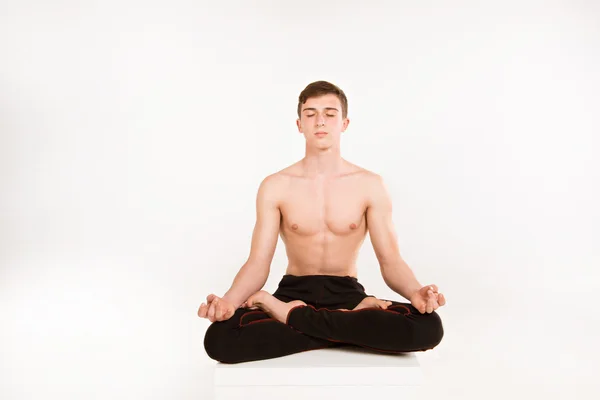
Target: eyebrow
(314, 109)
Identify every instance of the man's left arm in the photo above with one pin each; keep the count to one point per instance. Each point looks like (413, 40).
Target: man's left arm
(397, 275)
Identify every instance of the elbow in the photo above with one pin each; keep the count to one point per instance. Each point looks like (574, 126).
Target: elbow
(391, 264)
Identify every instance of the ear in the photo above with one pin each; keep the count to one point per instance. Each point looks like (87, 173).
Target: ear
(298, 125)
(345, 124)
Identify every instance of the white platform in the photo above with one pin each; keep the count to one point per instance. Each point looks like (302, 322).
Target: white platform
(332, 373)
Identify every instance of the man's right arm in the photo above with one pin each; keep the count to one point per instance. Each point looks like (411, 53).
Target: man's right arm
(253, 275)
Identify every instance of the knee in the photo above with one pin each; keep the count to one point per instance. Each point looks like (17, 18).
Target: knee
(433, 331)
(215, 342)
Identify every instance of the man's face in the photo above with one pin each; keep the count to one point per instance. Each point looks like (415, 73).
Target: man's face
(321, 121)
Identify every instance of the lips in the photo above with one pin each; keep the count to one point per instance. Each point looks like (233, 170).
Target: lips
(321, 134)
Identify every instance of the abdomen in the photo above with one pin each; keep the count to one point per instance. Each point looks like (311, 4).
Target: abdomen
(323, 253)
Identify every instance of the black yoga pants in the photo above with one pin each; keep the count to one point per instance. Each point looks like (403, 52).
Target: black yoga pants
(251, 335)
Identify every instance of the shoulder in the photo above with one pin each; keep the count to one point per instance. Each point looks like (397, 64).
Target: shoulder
(369, 179)
(375, 187)
(272, 183)
(280, 181)
(282, 176)
(376, 181)
(291, 171)
(274, 186)
(370, 183)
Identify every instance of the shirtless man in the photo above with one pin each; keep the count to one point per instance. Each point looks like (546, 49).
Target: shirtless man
(322, 206)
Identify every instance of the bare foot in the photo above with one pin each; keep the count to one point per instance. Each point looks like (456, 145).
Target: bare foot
(372, 302)
(272, 306)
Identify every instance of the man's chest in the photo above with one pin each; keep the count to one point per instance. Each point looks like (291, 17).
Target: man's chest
(312, 207)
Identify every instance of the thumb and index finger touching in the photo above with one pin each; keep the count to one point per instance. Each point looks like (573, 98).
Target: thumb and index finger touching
(211, 297)
(428, 288)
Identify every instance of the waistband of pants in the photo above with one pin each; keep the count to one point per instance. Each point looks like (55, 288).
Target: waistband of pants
(323, 290)
(312, 277)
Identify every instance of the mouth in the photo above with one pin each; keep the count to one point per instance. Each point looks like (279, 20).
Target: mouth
(320, 134)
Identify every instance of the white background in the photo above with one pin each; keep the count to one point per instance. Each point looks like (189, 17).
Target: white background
(134, 134)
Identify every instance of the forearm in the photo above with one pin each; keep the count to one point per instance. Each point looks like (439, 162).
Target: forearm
(400, 278)
(249, 280)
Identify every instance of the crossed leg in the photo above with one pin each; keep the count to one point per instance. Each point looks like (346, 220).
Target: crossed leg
(376, 324)
(279, 310)
(275, 328)
(251, 335)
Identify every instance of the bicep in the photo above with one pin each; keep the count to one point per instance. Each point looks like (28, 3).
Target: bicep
(380, 224)
(266, 228)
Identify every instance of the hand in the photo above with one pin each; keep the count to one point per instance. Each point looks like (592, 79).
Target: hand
(216, 309)
(427, 299)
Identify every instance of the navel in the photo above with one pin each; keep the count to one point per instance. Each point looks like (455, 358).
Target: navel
(294, 227)
(352, 226)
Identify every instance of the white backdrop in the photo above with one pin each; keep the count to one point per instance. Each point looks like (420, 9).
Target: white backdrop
(134, 134)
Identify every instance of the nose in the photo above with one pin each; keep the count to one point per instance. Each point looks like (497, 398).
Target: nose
(320, 120)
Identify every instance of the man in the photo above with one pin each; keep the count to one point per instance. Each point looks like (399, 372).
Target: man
(323, 207)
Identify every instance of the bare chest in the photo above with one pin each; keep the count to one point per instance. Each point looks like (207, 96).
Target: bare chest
(312, 207)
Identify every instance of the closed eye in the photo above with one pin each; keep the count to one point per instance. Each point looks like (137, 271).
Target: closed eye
(312, 115)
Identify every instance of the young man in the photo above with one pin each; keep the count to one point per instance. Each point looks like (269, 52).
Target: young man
(322, 206)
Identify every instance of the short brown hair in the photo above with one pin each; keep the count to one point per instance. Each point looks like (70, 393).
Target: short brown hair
(320, 88)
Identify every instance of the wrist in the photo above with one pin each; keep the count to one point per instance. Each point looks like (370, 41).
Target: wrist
(232, 300)
(412, 292)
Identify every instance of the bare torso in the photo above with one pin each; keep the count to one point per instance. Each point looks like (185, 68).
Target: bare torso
(323, 219)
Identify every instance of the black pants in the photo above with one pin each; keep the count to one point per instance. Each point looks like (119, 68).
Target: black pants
(251, 335)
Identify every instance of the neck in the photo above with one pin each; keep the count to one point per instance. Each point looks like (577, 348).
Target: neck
(326, 162)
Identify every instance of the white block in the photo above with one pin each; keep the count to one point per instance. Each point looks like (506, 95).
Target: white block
(342, 372)
(317, 392)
